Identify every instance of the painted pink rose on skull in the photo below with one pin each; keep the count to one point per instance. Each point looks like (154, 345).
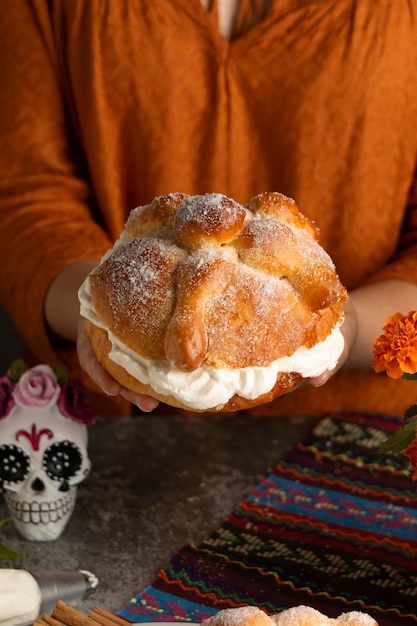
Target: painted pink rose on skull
(37, 387)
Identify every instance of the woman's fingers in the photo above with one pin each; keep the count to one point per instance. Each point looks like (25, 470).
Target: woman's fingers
(90, 364)
(107, 383)
(145, 403)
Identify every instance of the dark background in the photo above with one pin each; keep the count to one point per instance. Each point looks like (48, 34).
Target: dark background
(9, 341)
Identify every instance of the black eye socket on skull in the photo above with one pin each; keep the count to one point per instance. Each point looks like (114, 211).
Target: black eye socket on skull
(62, 460)
(14, 464)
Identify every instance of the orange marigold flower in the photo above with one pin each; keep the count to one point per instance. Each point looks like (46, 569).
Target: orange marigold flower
(411, 452)
(395, 352)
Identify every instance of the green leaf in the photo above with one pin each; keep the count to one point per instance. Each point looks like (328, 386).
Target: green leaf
(410, 412)
(409, 376)
(399, 441)
(16, 370)
(8, 553)
(61, 374)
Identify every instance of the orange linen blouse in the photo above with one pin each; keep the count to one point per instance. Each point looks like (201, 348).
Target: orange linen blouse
(106, 104)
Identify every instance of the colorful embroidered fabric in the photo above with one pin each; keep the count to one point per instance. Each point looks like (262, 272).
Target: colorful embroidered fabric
(334, 526)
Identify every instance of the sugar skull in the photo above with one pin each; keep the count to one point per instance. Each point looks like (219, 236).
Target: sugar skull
(43, 449)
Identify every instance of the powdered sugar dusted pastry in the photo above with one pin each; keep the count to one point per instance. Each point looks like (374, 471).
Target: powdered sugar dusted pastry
(208, 304)
(296, 616)
(241, 616)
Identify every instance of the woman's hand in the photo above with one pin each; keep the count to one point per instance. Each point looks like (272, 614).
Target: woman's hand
(107, 383)
(62, 314)
(349, 330)
(366, 312)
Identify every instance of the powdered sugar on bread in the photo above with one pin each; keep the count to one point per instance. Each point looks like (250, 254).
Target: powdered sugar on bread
(296, 616)
(203, 284)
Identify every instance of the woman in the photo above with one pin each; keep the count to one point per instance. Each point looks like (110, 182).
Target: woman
(105, 105)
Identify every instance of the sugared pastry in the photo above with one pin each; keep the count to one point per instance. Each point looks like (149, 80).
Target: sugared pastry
(240, 616)
(210, 305)
(297, 616)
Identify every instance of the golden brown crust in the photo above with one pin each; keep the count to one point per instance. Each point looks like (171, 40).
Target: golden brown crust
(282, 208)
(157, 214)
(217, 221)
(203, 280)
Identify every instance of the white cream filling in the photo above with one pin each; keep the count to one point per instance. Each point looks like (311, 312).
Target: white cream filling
(208, 387)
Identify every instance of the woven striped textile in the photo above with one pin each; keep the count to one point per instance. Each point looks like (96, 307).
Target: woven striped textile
(334, 526)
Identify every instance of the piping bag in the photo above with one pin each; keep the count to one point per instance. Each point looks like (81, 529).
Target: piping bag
(25, 595)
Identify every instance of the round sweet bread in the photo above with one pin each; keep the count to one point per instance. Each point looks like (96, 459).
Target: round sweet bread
(296, 616)
(210, 305)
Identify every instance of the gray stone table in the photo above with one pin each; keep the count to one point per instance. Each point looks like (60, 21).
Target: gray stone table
(158, 482)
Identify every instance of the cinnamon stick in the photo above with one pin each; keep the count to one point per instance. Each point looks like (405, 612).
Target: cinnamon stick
(64, 614)
(70, 616)
(105, 618)
(46, 620)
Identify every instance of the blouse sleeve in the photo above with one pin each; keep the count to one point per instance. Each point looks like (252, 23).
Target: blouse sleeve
(47, 211)
(403, 265)
(409, 233)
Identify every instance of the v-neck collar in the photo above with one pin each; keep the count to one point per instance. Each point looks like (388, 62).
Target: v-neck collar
(211, 20)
